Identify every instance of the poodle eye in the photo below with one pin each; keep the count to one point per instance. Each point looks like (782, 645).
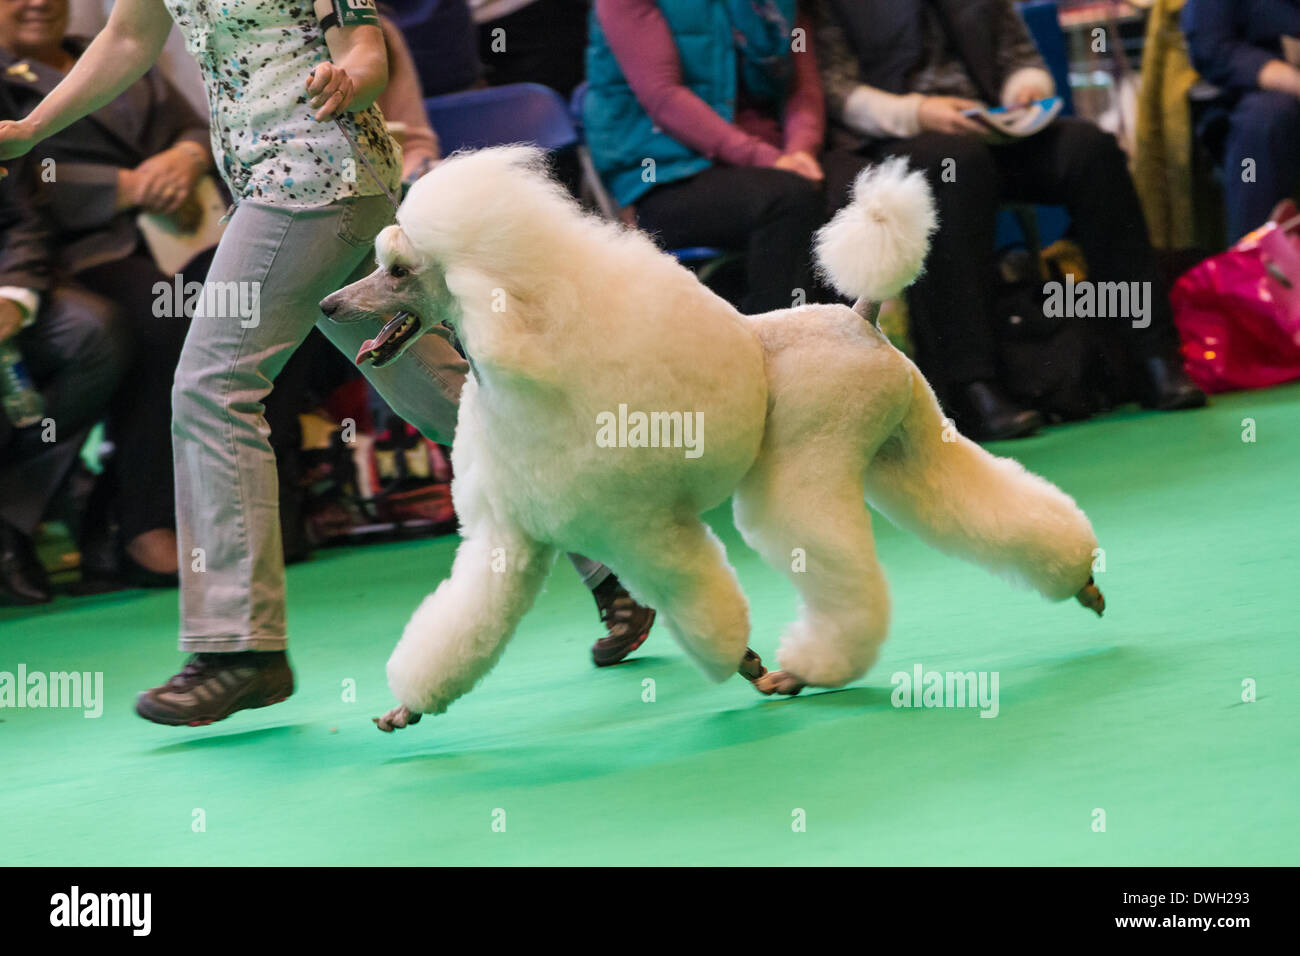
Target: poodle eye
(399, 272)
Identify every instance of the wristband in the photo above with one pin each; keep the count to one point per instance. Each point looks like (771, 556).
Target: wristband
(349, 13)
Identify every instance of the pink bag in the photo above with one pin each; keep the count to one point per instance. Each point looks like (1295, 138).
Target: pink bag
(1239, 312)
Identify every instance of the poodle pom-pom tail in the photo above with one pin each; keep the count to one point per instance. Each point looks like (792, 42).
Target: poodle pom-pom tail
(875, 247)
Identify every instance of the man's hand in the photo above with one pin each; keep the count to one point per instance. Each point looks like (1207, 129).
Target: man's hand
(331, 90)
(943, 114)
(803, 163)
(162, 183)
(11, 319)
(1277, 75)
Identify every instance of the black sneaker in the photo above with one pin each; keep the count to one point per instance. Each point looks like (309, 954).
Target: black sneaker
(627, 624)
(211, 687)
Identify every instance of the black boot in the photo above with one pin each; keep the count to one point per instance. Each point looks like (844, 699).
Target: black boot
(23, 579)
(984, 413)
(1166, 387)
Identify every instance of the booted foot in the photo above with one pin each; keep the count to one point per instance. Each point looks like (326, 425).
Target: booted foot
(1090, 596)
(397, 718)
(1166, 387)
(627, 624)
(779, 682)
(211, 687)
(984, 413)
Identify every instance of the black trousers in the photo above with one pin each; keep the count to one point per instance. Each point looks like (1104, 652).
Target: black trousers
(139, 474)
(769, 214)
(1071, 163)
(76, 355)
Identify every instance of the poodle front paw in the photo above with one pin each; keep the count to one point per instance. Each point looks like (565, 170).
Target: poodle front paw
(397, 718)
(779, 682)
(1090, 596)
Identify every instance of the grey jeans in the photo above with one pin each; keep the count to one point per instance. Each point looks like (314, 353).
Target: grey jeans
(260, 300)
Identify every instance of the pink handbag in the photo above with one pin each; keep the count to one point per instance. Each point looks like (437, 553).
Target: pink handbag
(1238, 313)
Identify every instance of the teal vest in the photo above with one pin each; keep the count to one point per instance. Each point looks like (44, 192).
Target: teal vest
(630, 152)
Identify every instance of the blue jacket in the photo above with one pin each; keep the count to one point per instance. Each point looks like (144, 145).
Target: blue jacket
(622, 137)
(1231, 40)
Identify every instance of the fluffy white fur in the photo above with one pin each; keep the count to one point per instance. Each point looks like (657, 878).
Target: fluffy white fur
(565, 316)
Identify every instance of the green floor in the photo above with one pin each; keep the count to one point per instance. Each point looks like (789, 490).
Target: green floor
(1140, 714)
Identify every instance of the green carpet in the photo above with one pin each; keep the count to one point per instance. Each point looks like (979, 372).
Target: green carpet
(1139, 715)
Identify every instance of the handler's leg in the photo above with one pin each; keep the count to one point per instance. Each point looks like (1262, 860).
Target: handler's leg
(259, 302)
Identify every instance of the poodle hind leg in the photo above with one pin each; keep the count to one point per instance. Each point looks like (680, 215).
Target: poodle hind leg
(457, 633)
(810, 522)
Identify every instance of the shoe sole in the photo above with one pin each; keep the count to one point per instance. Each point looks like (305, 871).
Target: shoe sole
(170, 721)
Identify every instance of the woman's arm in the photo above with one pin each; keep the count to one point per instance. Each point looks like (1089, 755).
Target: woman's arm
(358, 71)
(640, 39)
(1222, 55)
(117, 57)
(804, 123)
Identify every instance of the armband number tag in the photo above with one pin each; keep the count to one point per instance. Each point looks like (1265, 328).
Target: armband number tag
(355, 13)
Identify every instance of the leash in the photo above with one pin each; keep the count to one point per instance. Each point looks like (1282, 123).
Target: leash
(365, 160)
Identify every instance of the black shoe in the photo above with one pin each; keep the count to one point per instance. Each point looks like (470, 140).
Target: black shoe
(627, 624)
(23, 579)
(983, 413)
(211, 687)
(1166, 387)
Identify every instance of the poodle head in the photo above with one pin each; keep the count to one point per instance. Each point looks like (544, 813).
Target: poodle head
(407, 292)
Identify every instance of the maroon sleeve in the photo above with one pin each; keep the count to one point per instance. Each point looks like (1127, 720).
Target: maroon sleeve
(640, 39)
(805, 110)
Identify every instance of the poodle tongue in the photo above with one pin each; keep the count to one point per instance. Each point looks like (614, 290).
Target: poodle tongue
(373, 349)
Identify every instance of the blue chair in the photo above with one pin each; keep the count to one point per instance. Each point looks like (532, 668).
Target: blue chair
(705, 259)
(496, 115)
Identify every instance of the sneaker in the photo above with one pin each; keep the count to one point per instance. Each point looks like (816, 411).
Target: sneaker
(627, 624)
(211, 687)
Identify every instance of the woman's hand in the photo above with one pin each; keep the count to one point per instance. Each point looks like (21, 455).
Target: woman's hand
(943, 114)
(803, 163)
(331, 90)
(16, 138)
(162, 183)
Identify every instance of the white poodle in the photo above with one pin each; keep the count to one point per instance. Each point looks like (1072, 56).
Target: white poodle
(613, 399)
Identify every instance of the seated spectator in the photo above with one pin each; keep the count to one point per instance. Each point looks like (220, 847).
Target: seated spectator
(532, 41)
(702, 118)
(443, 47)
(1237, 46)
(145, 151)
(898, 74)
(68, 342)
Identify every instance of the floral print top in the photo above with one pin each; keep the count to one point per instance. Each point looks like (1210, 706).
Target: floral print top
(255, 56)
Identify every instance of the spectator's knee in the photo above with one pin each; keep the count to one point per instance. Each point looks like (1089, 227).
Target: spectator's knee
(797, 199)
(953, 162)
(1092, 153)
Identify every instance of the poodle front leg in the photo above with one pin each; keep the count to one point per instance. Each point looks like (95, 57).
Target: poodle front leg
(457, 633)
